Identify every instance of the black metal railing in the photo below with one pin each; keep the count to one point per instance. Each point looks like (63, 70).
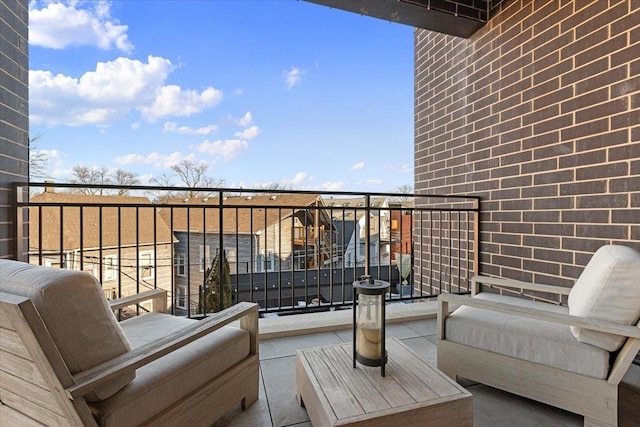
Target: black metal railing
(289, 251)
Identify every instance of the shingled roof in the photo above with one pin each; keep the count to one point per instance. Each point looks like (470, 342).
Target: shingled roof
(126, 220)
(251, 213)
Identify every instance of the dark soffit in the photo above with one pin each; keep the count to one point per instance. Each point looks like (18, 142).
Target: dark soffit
(459, 18)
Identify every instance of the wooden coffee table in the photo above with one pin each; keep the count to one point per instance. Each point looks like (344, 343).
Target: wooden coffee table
(412, 393)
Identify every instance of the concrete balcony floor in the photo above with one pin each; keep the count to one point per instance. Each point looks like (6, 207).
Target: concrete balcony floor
(415, 326)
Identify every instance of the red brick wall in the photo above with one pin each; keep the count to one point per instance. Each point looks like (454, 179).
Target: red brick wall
(539, 114)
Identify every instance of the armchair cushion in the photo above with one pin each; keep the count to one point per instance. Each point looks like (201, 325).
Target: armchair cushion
(608, 289)
(165, 381)
(538, 341)
(83, 328)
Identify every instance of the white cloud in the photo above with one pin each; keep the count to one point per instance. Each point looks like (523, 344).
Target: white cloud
(112, 91)
(238, 91)
(248, 133)
(135, 126)
(245, 120)
(62, 24)
(186, 130)
(293, 77)
(405, 168)
(172, 100)
(227, 149)
(331, 186)
(124, 80)
(52, 154)
(298, 179)
(358, 166)
(159, 160)
(373, 181)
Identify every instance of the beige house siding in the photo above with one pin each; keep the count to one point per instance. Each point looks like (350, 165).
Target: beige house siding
(126, 276)
(112, 242)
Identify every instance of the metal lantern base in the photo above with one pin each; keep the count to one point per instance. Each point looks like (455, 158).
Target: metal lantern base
(371, 362)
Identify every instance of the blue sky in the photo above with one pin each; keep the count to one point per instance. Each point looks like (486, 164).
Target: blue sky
(263, 91)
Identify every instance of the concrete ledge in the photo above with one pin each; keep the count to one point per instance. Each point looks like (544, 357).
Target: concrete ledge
(311, 323)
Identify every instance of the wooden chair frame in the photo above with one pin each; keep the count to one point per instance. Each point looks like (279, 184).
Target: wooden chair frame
(36, 387)
(595, 399)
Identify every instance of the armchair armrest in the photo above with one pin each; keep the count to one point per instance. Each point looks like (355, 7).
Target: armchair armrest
(629, 331)
(498, 282)
(246, 312)
(158, 298)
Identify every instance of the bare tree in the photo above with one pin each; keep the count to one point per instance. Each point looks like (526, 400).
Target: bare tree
(38, 160)
(84, 175)
(193, 175)
(275, 186)
(102, 176)
(404, 189)
(124, 178)
(159, 196)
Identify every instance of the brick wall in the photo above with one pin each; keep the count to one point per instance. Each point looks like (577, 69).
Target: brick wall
(14, 114)
(539, 114)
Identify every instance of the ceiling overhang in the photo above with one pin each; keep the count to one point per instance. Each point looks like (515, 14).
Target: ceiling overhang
(459, 18)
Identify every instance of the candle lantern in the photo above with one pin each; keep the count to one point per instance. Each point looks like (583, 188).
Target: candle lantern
(369, 322)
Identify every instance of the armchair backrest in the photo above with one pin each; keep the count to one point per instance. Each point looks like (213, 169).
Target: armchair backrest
(608, 289)
(76, 314)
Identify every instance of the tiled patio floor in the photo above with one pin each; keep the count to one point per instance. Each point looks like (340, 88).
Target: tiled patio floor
(278, 406)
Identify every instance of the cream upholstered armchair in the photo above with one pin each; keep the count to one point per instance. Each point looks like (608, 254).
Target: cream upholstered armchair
(572, 357)
(65, 360)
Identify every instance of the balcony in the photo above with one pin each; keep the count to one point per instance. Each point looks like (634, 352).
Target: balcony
(304, 291)
(277, 405)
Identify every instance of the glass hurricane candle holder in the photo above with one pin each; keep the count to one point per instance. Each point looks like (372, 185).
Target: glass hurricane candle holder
(369, 322)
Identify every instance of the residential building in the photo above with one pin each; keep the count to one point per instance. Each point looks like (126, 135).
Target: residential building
(121, 240)
(260, 234)
(350, 219)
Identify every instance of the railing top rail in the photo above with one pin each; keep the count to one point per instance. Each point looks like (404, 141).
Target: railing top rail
(223, 190)
(253, 206)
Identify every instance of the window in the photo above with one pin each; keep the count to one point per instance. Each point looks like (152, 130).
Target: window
(205, 257)
(269, 262)
(145, 263)
(110, 268)
(232, 260)
(181, 297)
(180, 265)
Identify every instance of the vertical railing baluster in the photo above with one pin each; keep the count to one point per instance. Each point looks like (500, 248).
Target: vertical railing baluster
(367, 235)
(279, 275)
(264, 263)
(173, 264)
(187, 210)
(61, 237)
(137, 216)
(81, 238)
(40, 243)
